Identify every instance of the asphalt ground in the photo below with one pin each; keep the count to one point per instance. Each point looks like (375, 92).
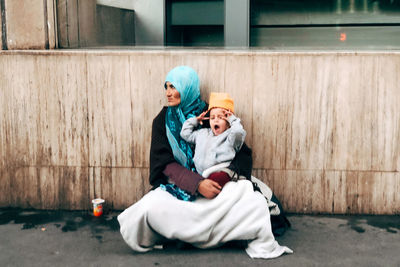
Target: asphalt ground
(65, 238)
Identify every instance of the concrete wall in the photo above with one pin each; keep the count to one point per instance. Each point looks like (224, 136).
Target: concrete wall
(90, 24)
(149, 22)
(30, 25)
(48, 24)
(324, 127)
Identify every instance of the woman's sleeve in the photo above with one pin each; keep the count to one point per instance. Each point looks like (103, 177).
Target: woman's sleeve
(182, 177)
(162, 162)
(160, 151)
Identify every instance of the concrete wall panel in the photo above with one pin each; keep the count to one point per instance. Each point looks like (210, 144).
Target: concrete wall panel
(386, 114)
(21, 104)
(110, 112)
(240, 88)
(87, 23)
(147, 74)
(352, 123)
(149, 22)
(272, 85)
(324, 127)
(120, 187)
(309, 110)
(25, 24)
(45, 100)
(62, 96)
(67, 23)
(1, 30)
(334, 192)
(3, 141)
(49, 188)
(5, 189)
(52, 24)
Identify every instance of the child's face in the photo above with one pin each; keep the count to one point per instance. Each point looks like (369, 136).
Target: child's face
(218, 121)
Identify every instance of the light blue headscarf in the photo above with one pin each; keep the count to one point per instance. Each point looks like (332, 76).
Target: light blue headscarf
(186, 81)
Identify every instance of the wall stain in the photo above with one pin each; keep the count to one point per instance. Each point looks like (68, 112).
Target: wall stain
(389, 223)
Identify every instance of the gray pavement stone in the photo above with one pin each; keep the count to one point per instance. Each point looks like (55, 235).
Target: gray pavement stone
(56, 238)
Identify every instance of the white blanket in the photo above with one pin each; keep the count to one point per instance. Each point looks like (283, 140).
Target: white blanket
(237, 213)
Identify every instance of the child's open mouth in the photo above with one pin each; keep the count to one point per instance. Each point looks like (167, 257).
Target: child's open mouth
(216, 127)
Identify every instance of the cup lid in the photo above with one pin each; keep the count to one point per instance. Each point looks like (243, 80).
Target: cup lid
(97, 201)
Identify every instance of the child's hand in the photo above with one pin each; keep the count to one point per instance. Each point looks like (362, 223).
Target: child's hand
(227, 114)
(201, 117)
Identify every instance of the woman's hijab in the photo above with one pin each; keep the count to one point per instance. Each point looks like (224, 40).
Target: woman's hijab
(187, 82)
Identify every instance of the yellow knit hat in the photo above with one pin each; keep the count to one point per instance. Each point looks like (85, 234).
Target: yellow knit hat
(221, 100)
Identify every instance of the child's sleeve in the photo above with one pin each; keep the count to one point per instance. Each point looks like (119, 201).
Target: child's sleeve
(237, 133)
(188, 133)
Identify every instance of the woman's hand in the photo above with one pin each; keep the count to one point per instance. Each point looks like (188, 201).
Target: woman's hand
(209, 188)
(201, 117)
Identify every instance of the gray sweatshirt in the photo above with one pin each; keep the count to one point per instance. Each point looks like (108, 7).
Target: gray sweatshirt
(210, 149)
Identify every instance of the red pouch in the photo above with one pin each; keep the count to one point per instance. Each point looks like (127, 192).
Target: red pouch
(220, 177)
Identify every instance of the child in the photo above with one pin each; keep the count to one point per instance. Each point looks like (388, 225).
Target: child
(215, 146)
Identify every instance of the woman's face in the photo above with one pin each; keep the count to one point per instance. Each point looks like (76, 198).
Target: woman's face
(173, 96)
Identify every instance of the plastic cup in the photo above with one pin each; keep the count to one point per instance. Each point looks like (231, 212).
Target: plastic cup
(98, 207)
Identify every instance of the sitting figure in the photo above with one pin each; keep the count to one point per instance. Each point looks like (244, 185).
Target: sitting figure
(237, 212)
(215, 146)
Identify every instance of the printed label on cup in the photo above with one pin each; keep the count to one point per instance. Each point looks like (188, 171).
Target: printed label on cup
(97, 206)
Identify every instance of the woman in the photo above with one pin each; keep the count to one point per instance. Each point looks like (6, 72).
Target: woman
(236, 212)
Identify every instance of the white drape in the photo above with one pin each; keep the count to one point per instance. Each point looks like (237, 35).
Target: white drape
(237, 213)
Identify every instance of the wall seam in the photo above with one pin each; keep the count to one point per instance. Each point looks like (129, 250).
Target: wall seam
(88, 130)
(77, 17)
(3, 25)
(67, 21)
(46, 28)
(55, 23)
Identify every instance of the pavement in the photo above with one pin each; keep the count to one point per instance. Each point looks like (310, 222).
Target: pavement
(65, 238)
